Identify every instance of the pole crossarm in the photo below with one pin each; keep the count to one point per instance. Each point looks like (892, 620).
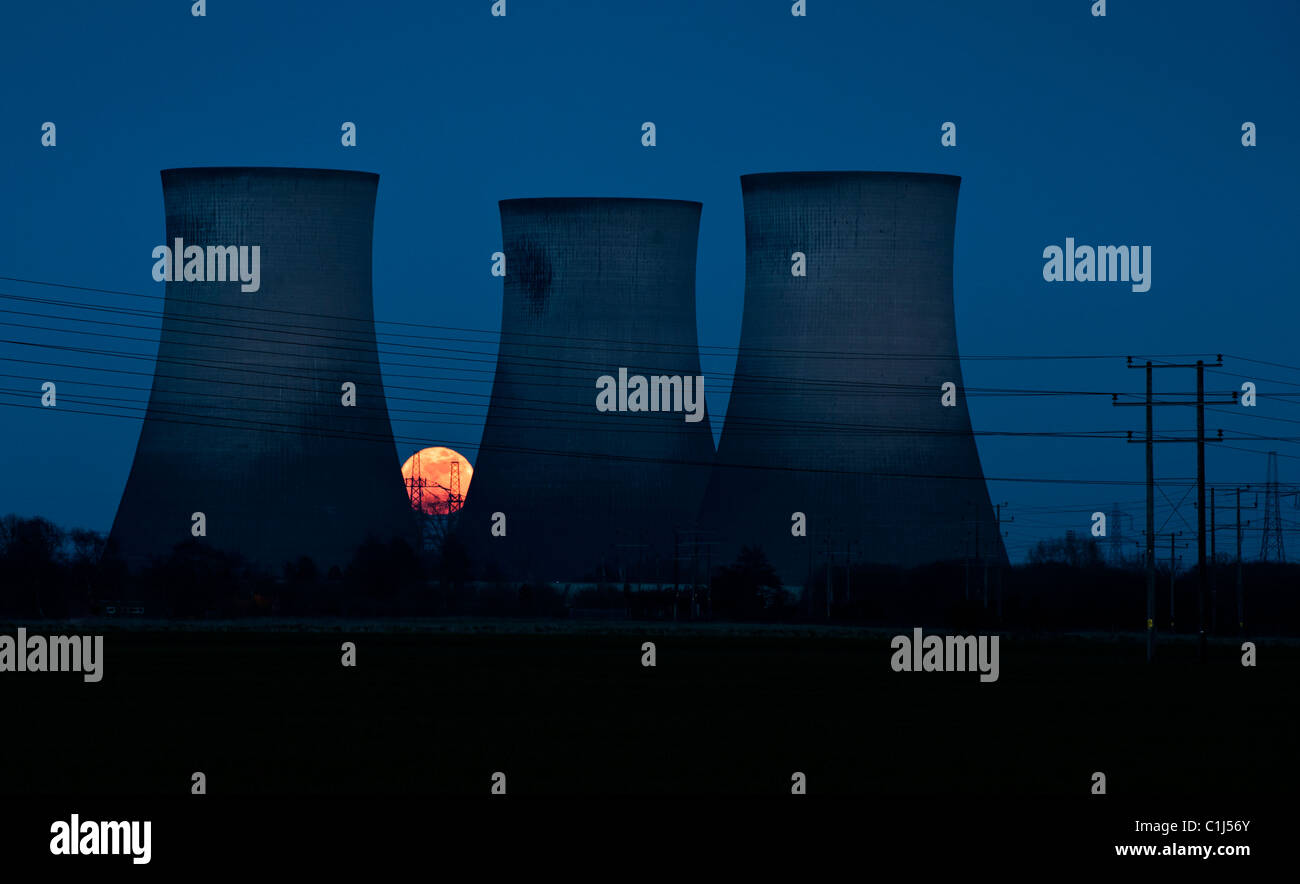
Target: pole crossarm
(1150, 403)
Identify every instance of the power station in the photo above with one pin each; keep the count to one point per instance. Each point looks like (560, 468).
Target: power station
(596, 447)
(847, 419)
(267, 431)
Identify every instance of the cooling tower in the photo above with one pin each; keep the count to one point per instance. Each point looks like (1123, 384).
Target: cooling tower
(594, 288)
(246, 421)
(835, 408)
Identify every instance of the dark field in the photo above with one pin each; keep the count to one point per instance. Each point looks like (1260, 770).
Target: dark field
(574, 714)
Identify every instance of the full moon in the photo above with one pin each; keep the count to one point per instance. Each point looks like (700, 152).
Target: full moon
(430, 481)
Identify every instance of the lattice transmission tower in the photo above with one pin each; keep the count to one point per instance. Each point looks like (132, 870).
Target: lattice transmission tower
(1272, 542)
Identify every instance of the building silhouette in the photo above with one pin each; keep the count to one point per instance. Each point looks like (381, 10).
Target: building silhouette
(592, 286)
(246, 422)
(835, 409)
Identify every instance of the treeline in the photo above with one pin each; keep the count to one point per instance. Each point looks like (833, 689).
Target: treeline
(1067, 584)
(47, 572)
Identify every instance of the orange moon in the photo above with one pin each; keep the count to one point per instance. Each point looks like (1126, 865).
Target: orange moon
(434, 467)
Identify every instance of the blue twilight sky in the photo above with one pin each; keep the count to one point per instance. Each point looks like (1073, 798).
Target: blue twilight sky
(1117, 130)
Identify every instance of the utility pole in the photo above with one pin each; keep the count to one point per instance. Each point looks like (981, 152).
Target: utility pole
(1214, 573)
(1151, 441)
(1173, 568)
(1201, 586)
(966, 572)
(829, 556)
(808, 583)
(848, 572)
(1173, 573)
(708, 580)
(1241, 593)
(676, 560)
(1151, 528)
(986, 583)
(997, 522)
(1241, 614)
(695, 572)
(1214, 570)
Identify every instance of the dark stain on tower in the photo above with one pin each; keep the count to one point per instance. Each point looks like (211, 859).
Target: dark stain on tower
(534, 273)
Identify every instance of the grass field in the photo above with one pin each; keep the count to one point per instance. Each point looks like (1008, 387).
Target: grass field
(574, 712)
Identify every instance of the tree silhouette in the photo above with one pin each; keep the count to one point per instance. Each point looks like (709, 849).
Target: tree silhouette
(748, 587)
(31, 561)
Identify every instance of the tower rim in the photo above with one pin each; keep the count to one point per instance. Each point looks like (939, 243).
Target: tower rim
(285, 171)
(751, 179)
(575, 201)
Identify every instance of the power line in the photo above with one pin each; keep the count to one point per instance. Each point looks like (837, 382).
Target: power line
(298, 430)
(594, 422)
(799, 353)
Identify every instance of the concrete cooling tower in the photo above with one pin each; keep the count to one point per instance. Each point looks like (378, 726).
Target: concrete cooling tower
(267, 316)
(597, 446)
(835, 409)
